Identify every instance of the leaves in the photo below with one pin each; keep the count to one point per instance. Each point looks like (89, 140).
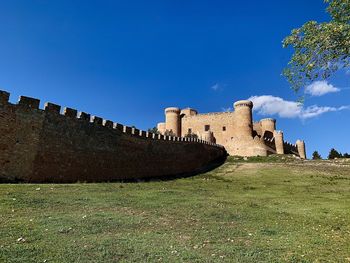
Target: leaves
(320, 49)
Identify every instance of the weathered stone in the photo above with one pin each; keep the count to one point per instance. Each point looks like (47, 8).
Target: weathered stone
(235, 130)
(40, 147)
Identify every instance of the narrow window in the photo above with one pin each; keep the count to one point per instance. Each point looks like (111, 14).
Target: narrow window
(189, 131)
(224, 128)
(206, 127)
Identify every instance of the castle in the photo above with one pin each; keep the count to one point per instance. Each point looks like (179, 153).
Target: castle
(235, 130)
(52, 145)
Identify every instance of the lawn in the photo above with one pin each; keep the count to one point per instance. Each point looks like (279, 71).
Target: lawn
(257, 210)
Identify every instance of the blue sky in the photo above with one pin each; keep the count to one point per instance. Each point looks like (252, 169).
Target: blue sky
(127, 60)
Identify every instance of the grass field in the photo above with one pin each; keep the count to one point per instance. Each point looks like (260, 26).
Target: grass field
(258, 210)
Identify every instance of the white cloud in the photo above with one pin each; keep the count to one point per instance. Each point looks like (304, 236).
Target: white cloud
(320, 87)
(270, 105)
(215, 87)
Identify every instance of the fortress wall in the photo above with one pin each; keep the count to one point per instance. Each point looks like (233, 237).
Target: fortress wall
(216, 121)
(270, 142)
(20, 127)
(249, 147)
(290, 148)
(45, 146)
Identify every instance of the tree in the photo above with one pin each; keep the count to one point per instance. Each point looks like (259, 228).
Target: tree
(346, 155)
(154, 130)
(320, 49)
(333, 153)
(316, 155)
(191, 135)
(169, 133)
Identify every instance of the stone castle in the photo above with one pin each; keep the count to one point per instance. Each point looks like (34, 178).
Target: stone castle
(55, 145)
(51, 145)
(235, 130)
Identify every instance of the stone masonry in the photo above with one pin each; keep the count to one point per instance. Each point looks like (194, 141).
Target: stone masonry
(47, 145)
(235, 130)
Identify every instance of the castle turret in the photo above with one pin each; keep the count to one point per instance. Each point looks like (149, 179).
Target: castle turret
(301, 149)
(268, 125)
(172, 120)
(279, 142)
(243, 118)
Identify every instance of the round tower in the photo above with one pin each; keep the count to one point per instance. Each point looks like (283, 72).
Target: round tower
(172, 120)
(243, 118)
(279, 142)
(301, 149)
(268, 125)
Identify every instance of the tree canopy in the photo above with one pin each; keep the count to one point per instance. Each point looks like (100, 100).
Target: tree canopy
(320, 49)
(316, 155)
(333, 153)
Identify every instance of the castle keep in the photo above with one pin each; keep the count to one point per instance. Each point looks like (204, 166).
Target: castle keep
(235, 130)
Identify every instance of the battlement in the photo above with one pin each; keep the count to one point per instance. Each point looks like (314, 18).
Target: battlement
(173, 110)
(70, 113)
(4, 97)
(233, 129)
(270, 142)
(51, 108)
(267, 120)
(290, 148)
(47, 145)
(211, 113)
(29, 102)
(243, 103)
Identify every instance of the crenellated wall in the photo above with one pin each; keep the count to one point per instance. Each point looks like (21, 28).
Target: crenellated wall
(235, 130)
(43, 145)
(290, 148)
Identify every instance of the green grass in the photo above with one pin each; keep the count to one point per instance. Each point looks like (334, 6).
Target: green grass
(244, 211)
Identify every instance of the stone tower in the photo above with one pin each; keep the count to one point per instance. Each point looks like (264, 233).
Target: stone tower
(235, 130)
(301, 149)
(173, 121)
(268, 125)
(243, 119)
(279, 142)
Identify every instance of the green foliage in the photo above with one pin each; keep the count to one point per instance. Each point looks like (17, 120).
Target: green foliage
(320, 49)
(191, 135)
(333, 153)
(346, 155)
(153, 130)
(169, 133)
(316, 155)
